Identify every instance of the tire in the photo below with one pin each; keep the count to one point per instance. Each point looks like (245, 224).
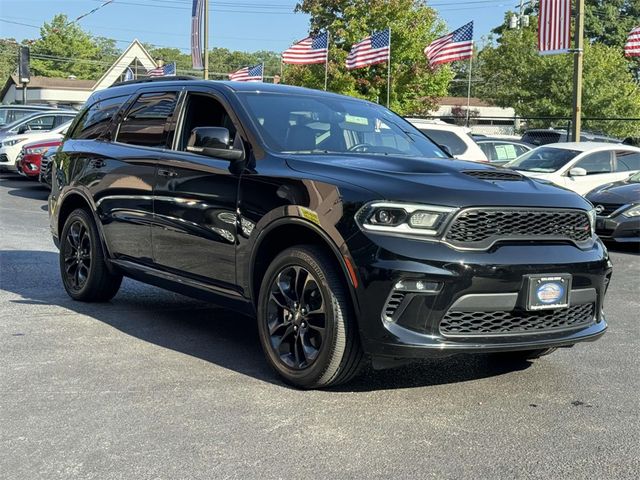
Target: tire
(84, 273)
(307, 348)
(524, 355)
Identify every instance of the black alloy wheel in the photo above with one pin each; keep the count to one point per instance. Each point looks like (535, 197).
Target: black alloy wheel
(83, 267)
(296, 317)
(76, 251)
(305, 319)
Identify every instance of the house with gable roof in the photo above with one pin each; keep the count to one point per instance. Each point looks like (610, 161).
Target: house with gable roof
(71, 92)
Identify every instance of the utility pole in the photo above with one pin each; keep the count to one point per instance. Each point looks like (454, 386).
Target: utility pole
(578, 53)
(205, 73)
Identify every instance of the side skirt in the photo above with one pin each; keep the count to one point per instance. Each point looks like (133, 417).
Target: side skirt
(222, 297)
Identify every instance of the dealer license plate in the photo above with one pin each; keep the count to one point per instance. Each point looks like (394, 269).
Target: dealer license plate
(548, 291)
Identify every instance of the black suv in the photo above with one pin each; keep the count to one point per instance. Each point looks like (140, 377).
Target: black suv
(343, 229)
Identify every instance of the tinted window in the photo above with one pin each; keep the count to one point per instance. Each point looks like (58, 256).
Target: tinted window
(543, 137)
(594, 163)
(543, 159)
(95, 121)
(450, 139)
(320, 125)
(146, 123)
(627, 161)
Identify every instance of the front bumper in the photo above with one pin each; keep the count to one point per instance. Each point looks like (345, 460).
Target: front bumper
(618, 229)
(489, 282)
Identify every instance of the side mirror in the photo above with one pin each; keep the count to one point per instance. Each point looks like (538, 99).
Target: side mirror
(23, 129)
(577, 172)
(446, 149)
(213, 142)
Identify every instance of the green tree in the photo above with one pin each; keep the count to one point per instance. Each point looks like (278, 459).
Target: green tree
(515, 75)
(65, 49)
(8, 57)
(413, 25)
(610, 21)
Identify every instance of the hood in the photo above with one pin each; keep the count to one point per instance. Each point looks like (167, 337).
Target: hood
(446, 182)
(621, 192)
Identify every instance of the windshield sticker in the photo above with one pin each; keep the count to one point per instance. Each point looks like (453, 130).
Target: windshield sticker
(358, 120)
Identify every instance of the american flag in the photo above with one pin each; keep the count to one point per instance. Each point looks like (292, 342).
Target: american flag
(196, 24)
(370, 51)
(632, 47)
(554, 26)
(308, 51)
(168, 70)
(454, 46)
(248, 74)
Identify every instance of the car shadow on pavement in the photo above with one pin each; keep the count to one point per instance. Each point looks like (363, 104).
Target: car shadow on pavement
(30, 189)
(215, 335)
(632, 248)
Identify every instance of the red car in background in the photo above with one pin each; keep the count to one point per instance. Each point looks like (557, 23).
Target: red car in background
(29, 160)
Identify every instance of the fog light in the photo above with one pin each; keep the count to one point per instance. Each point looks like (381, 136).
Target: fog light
(417, 286)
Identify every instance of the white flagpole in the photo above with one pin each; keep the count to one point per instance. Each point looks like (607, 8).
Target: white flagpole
(326, 64)
(389, 71)
(469, 89)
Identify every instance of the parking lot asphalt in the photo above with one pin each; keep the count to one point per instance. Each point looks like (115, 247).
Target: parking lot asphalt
(154, 385)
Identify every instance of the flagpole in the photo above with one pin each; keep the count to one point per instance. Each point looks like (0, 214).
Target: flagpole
(326, 63)
(469, 89)
(577, 73)
(262, 72)
(206, 40)
(281, 70)
(389, 71)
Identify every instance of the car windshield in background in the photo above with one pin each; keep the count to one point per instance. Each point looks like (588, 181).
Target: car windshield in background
(543, 159)
(635, 178)
(303, 124)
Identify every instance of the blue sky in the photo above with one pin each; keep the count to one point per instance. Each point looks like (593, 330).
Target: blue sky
(247, 25)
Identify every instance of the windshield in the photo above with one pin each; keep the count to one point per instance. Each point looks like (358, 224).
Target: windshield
(302, 124)
(635, 178)
(19, 121)
(543, 160)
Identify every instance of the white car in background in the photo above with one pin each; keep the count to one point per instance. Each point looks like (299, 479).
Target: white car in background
(10, 146)
(580, 167)
(457, 140)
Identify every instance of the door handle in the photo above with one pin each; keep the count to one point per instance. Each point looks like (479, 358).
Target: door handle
(167, 173)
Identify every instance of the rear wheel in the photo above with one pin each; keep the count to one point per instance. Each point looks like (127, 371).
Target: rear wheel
(305, 320)
(82, 262)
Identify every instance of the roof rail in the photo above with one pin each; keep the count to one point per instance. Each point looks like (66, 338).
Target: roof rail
(155, 79)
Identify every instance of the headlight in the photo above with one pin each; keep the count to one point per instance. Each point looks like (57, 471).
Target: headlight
(35, 151)
(632, 212)
(592, 220)
(401, 218)
(9, 143)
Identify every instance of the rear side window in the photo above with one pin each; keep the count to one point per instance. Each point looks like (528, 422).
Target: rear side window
(147, 122)
(442, 137)
(627, 161)
(96, 120)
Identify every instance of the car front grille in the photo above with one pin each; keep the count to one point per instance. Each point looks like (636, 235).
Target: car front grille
(607, 208)
(481, 227)
(456, 324)
(493, 175)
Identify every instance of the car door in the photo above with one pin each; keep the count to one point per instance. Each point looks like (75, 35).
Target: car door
(127, 173)
(598, 166)
(195, 199)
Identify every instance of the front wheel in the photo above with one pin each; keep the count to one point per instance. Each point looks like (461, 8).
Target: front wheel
(305, 320)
